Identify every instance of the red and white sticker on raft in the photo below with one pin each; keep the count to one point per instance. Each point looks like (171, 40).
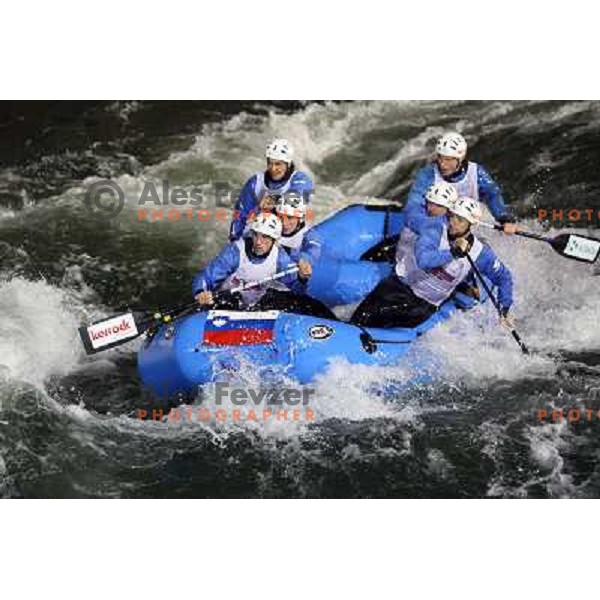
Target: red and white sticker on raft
(231, 328)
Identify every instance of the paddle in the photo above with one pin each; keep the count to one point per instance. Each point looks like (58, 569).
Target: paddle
(120, 329)
(495, 302)
(570, 245)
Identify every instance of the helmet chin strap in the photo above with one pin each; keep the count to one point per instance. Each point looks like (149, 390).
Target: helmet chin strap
(251, 252)
(455, 236)
(462, 166)
(299, 226)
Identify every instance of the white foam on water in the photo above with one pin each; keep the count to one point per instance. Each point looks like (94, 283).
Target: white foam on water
(182, 429)
(230, 151)
(38, 330)
(556, 306)
(345, 391)
(6, 214)
(417, 148)
(233, 149)
(556, 299)
(474, 350)
(547, 444)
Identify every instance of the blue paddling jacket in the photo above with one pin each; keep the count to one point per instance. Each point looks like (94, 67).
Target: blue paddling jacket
(429, 255)
(487, 190)
(308, 249)
(227, 262)
(254, 190)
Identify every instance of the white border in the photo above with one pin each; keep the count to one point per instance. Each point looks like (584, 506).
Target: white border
(313, 50)
(298, 549)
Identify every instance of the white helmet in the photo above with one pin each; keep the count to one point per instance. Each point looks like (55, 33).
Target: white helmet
(468, 209)
(452, 144)
(280, 149)
(267, 224)
(292, 205)
(442, 194)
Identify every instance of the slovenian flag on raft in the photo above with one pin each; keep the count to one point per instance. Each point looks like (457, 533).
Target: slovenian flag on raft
(231, 328)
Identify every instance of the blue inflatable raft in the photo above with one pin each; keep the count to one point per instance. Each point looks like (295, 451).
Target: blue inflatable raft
(210, 346)
(360, 242)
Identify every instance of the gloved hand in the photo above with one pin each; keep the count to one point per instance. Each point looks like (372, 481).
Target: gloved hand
(304, 269)
(204, 298)
(461, 247)
(472, 291)
(508, 223)
(505, 320)
(268, 202)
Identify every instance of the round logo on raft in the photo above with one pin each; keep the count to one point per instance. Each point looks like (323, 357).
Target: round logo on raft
(320, 332)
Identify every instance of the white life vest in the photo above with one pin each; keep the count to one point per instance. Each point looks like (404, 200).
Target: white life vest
(467, 186)
(249, 271)
(260, 187)
(295, 240)
(405, 252)
(432, 285)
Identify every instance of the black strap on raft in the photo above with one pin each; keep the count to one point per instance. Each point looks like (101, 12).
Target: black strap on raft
(384, 251)
(369, 343)
(386, 222)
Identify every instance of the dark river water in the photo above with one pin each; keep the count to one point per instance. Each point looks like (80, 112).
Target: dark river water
(67, 421)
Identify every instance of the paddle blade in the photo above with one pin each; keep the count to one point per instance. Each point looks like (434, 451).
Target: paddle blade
(577, 247)
(110, 332)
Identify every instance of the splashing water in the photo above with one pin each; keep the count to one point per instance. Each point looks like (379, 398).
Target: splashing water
(67, 422)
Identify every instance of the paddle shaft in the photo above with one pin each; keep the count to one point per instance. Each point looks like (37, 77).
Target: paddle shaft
(495, 302)
(525, 234)
(143, 322)
(251, 284)
(240, 288)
